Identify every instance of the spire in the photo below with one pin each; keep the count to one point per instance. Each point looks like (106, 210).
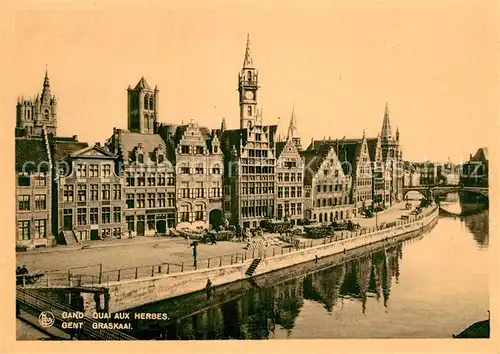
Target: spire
(386, 125)
(292, 128)
(397, 133)
(223, 124)
(248, 62)
(46, 87)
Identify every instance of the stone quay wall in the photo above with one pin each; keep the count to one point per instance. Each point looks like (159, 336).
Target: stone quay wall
(128, 294)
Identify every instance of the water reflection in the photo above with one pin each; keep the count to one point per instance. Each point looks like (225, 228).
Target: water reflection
(270, 309)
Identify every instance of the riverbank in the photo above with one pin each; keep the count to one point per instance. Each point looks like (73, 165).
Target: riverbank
(132, 293)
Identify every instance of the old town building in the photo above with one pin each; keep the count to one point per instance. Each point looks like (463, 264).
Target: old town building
(34, 114)
(89, 190)
(33, 192)
(378, 172)
(199, 164)
(392, 156)
(290, 172)
(250, 162)
(475, 171)
(149, 177)
(327, 184)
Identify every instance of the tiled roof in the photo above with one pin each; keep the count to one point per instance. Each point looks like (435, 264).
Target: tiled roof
(312, 161)
(346, 150)
(279, 146)
(142, 84)
(481, 154)
(62, 148)
(372, 147)
(128, 141)
(31, 155)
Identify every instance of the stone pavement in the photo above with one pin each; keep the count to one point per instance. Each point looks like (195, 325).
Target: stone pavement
(148, 251)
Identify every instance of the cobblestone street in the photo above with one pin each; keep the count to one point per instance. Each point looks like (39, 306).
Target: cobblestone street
(147, 251)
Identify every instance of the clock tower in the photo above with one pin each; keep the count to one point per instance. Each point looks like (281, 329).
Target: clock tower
(247, 88)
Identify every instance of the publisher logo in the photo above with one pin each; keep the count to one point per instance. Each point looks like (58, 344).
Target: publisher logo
(46, 319)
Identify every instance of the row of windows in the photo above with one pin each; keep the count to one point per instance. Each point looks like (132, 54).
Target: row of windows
(187, 214)
(24, 202)
(257, 211)
(338, 216)
(253, 188)
(331, 202)
(362, 196)
(151, 220)
(331, 187)
(90, 216)
(289, 209)
(247, 161)
(139, 157)
(290, 192)
(257, 169)
(197, 150)
(39, 179)
(198, 170)
(153, 200)
(84, 235)
(93, 192)
(257, 152)
(149, 102)
(289, 177)
(364, 182)
(92, 170)
(24, 229)
(140, 179)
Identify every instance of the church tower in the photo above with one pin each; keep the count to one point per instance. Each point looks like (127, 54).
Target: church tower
(247, 88)
(292, 131)
(142, 108)
(390, 144)
(33, 114)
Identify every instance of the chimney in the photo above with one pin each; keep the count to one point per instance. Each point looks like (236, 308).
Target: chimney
(75, 137)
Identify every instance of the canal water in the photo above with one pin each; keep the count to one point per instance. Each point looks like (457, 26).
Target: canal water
(431, 286)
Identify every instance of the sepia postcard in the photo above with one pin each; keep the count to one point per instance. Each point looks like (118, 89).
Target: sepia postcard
(214, 176)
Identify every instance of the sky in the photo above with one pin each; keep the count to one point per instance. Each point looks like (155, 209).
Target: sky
(337, 63)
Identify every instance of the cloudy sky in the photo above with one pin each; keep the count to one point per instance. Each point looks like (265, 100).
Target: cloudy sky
(336, 62)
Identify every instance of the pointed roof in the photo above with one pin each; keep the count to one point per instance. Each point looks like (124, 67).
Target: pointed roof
(46, 87)
(248, 62)
(292, 128)
(31, 154)
(142, 84)
(386, 125)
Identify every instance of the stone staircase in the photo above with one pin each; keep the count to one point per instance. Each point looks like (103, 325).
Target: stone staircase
(253, 266)
(70, 238)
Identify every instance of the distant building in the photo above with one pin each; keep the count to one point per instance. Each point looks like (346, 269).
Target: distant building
(249, 157)
(290, 172)
(35, 113)
(149, 185)
(199, 165)
(33, 192)
(475, 171)
(89, 192)
(379, 175)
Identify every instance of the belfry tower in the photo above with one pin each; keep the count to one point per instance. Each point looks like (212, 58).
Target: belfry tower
(247, 88)
(142, 108)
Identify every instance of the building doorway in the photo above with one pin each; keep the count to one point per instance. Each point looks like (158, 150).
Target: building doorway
(161, 226)
(215, 217)
(141, 225)
(68, 219)
(94, 234)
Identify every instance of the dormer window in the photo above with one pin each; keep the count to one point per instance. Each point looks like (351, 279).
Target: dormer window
(216, 149)
(46, 114)
(160, 158)
(185, 149)
(200, 150)
(140, 158)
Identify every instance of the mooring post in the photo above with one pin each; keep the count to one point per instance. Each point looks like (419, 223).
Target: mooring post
(209, 263)
(69, 277)
(136, 270)
(168, 268)
(220, 264)
(182, 266)
(231, 259)
(118, 275)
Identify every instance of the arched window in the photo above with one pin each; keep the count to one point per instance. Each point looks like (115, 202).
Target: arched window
(331, 216)
(28, 114)
(140, 158)
(151, 103)
(318, 203)
(345, 201)
(336, 215)
(341, 215)
(330, 202)
(160, 158)
(320, 217)
(146, 101)
(249, 75)
(249, 111)
(46, 115)
(335, 201)
(146, 121)
(324, 202)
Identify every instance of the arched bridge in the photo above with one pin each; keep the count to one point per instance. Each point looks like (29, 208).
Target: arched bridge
(430, 191)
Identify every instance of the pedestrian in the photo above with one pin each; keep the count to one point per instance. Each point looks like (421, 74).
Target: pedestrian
(129, 234)
(188, 241)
